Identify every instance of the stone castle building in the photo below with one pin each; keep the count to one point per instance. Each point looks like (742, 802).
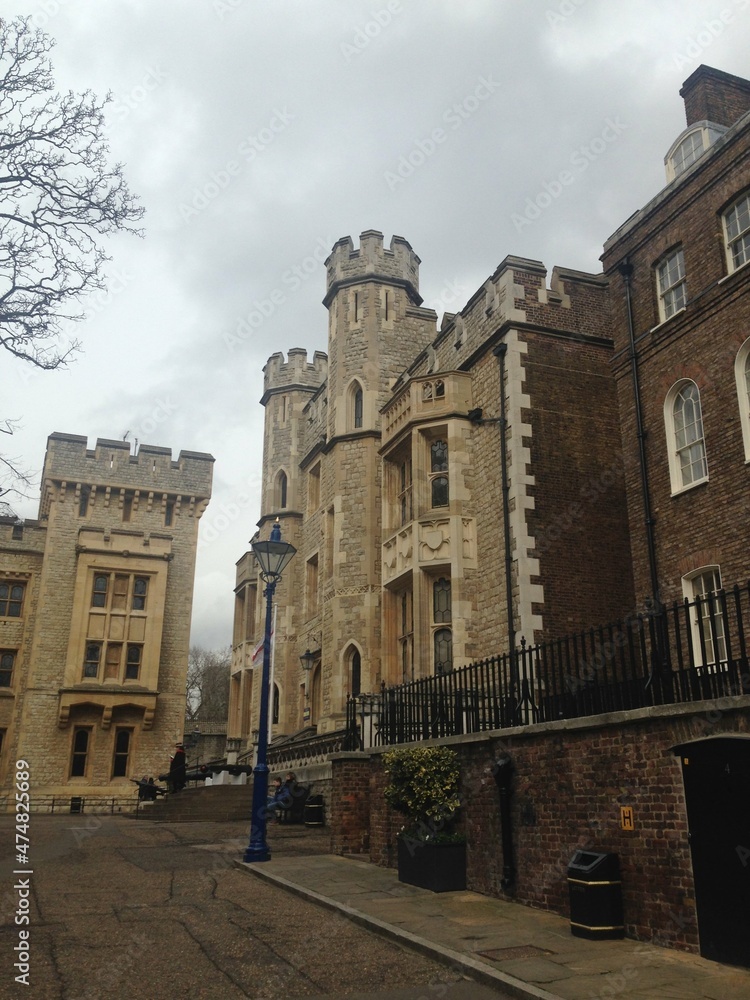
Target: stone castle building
(536, 465)
(95, 604)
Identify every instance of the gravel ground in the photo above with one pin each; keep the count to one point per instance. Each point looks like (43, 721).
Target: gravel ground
(128, 909)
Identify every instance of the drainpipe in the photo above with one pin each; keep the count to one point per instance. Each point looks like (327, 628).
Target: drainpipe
(658, 664)
(502, 772)
(500, 351)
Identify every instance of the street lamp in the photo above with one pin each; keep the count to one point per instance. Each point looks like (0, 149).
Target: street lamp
(307, 659)
(273, 556)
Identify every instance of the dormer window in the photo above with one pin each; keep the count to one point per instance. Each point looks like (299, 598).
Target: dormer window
(690, 146)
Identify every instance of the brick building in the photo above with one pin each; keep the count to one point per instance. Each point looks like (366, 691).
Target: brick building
(95, 605)
(427, 538)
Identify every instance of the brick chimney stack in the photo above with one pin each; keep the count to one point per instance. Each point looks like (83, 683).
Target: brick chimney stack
(713, 96)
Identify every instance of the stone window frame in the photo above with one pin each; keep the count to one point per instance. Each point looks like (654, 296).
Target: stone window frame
(671, 283)
(405, 633)
(742, 378)
(313, 488)
(676, 446)
(120, 757)
(737, 244)
(281, 490)
(355, 406)
(80, 756)
(8, 659)
(438, 470)
(702, 582)
(441, 627)
(7, 599)
(352, 659)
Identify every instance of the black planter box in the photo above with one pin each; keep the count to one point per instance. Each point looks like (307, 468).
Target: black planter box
(438, 867)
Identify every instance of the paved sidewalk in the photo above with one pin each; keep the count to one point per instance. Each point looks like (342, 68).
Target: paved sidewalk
(525, 952)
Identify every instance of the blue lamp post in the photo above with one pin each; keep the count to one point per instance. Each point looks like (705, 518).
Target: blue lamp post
(273, 557)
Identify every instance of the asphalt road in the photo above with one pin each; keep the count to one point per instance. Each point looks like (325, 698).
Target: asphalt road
(128, 910)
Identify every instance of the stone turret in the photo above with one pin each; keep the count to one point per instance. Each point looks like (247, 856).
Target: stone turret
(295, 373)
(397, 266)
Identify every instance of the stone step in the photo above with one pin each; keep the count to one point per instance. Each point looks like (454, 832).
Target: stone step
(215, 802)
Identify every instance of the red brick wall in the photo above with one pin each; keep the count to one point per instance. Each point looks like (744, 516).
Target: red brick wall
(699, 343)
(579, 521)
(570, 781)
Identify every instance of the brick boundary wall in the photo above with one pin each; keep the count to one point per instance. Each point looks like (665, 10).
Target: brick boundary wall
(570, 781)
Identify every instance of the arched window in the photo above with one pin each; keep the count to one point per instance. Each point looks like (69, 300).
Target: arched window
(355, 673)
(438, 474)
(357, 405)
(80, 753)
(742, 376)
(281, 491)
(275, 710)
(684, 428)
(121, 754)
(441, 617)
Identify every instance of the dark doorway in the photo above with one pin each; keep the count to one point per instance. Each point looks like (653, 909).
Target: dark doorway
(716, 773)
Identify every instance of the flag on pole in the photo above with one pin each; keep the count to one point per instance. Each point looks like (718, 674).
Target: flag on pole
(257, 658)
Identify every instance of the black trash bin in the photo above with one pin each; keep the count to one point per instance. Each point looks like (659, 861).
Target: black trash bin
(76, 804)
(595, 895)
(313, 813)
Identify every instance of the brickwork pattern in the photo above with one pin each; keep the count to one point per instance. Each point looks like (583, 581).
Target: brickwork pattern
(567, 793)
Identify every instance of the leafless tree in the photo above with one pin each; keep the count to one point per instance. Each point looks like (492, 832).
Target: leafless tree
(208, 684)
(58, 197)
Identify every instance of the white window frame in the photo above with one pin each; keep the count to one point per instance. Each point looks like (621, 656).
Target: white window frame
(674, 448)
(694, 585)
(742, 378)
(671, 284)
(739, 239)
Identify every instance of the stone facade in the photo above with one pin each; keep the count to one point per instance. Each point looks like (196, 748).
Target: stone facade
(451, 490)
(99, 641)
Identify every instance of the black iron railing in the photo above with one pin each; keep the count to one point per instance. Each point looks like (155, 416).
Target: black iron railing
(690, 651)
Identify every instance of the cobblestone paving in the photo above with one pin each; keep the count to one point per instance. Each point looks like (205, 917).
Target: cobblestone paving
(127, 909)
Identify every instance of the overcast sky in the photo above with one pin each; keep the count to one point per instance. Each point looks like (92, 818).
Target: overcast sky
(258, 132)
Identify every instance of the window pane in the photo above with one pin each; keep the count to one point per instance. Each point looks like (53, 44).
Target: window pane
(99, 596)
(688, 430)
(7, 659)
(441, 599)
(439, 457)
(91, 660)
(440, 491)
(140, 589)
(133, 665)
(443, 650)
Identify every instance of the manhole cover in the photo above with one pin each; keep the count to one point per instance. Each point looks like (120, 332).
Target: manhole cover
(507, 954)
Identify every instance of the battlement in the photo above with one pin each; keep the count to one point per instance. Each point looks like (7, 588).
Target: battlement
(69, 459)
(295, 373)
(347, 266)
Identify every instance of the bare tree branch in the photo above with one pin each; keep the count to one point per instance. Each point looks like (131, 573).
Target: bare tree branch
(58, 197)
(208, 684)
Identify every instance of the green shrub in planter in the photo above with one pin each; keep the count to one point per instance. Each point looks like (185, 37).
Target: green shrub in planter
(423, 785)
